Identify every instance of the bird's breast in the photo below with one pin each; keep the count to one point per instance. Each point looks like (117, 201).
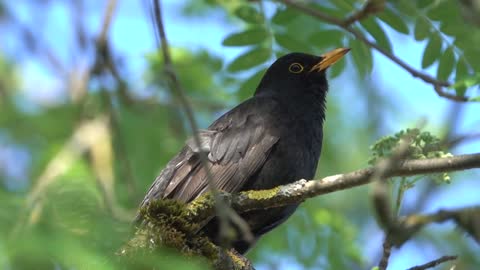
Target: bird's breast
(295, 155)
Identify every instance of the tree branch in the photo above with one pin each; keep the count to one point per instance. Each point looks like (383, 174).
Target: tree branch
(369, 8)
(301, 190)
(380, 195)
(186, 219)
(386, 252)
(468, 219)
(434, 263)
(437, 84)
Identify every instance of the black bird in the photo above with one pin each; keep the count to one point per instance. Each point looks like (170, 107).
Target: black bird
(271, 139)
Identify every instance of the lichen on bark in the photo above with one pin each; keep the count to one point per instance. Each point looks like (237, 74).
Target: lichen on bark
(171, 224)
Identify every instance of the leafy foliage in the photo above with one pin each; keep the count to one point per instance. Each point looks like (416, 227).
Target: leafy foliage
(423, 145)
(67, 200)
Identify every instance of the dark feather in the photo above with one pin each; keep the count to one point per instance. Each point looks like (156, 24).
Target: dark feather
(272, 139)
(237, 145)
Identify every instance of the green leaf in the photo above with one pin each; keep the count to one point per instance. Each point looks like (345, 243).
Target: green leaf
(422, 28)
(283, 16)
(460, 90)
(249, 14)
(250, 59)
(447, 61)
(344, 6)
(326, 39)
(339, 11)
(461, 71)
(432, 51)
(471, 53)
(249, 86)
(442, 10)
(362, 57)
(405, 7)
(463, 83)
(394, 20)
(372, 26)
(453, 29)
(338, 68)
(291, 43)
(423, 3)
(247, 37)
(468, 81)
(476, 99)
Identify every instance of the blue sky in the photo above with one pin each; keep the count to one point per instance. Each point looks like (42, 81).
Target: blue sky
(132, 37)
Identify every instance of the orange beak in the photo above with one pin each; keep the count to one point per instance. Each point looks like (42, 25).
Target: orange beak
(330, 58)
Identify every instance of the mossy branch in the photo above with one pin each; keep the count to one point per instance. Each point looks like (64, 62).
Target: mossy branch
(172, 224)
(168, 223)
(301, 190)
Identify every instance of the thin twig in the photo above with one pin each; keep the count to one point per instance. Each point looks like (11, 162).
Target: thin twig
(301, 190)
(387, 251)
(101, 44)
(380, 195)
(369, 8)
(462, 139)
(221, 209)
(381, 199)
(437, 84)
(107, 20)
(126, 167)
(467, 218)
(107, 63)
(99, 64)
(434, 263)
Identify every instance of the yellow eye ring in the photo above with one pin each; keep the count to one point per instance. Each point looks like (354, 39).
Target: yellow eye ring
(295, 68)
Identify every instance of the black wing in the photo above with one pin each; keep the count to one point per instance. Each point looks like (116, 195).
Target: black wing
(238, 144)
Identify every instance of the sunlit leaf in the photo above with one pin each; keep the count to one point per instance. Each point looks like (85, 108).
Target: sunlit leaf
(338, 68)
(423, 3)
(446, 65)
(422, 28)
(454, 28)
(326, 39)
(394, 20)
(247, 37)
(463, 83)
(406, 7)
(442, 10)
(344, 5)
(249, 14)
(475, 99)
(340, 10)
(283, 16)
(250, 59)
(377, 32)
(432, 51)
(461, 72)
(471, 53)
(362, 57)
(291, 43)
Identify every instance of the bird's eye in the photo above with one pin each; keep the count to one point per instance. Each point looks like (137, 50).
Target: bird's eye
(295, 68)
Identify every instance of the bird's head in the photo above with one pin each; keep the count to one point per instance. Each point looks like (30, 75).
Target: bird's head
(296, 73)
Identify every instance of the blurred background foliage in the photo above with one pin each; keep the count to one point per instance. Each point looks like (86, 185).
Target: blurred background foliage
(85, 126)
